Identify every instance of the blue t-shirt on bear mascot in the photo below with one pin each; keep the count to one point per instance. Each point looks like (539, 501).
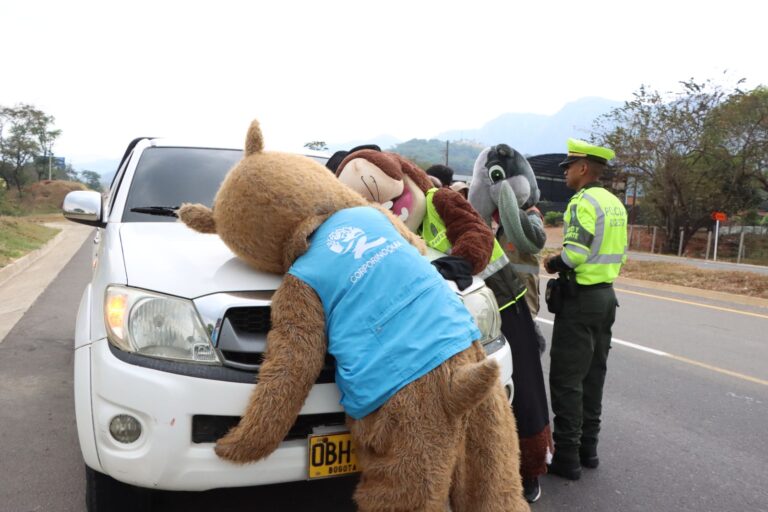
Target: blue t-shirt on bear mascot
(390, 317)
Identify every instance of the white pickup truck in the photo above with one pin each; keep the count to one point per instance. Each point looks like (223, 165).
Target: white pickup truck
(170, 334)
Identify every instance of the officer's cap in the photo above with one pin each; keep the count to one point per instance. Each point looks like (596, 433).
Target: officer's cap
(579, 149)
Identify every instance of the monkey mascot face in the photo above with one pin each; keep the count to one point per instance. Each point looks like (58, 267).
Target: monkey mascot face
(390, 180)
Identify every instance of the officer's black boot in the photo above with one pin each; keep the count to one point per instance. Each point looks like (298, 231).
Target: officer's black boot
(588, 456)
(565, 464)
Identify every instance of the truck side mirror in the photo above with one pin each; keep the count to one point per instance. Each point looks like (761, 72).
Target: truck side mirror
(84, 206)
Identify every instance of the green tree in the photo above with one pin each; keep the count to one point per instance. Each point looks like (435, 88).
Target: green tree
(553, 218)
(738, 133)
(68, 173)
(688, 151)
(91, 179)
(25, 133)
(317, 145)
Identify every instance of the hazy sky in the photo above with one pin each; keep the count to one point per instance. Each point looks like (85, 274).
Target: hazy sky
(344, 70)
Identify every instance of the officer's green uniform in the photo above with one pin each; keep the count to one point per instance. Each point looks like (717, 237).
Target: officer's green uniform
(594, 246)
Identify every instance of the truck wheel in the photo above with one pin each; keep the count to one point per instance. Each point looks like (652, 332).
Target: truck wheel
(105, 494)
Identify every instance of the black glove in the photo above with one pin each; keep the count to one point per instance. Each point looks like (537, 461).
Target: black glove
(556, 264)
(455, 268)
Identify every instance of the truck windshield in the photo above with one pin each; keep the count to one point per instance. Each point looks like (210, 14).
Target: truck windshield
(167, 177)
(170, 176)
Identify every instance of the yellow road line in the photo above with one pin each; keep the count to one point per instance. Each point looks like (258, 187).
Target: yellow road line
(677, 358)
(719, 308)
(718, 370)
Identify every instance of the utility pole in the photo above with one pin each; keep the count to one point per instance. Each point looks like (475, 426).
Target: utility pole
(633, 213)
(50, 156)
(446, 153)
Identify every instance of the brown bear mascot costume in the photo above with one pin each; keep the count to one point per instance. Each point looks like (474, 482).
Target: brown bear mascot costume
(425, 408)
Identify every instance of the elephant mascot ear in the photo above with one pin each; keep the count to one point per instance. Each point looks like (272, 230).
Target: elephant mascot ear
(479, 194)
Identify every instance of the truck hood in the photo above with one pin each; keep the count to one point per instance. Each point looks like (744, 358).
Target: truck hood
(169, 257)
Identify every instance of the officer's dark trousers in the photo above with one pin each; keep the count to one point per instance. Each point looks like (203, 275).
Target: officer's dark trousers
(580, 343)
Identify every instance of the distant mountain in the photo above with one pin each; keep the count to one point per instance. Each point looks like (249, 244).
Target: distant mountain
(533, 134)
(384, 141)
(425, 153)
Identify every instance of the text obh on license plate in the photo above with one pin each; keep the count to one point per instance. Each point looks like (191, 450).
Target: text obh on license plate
(331, 455)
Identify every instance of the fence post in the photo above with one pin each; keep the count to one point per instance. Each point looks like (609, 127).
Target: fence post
(709, 243)
(631, 228)
(741, 247)
(680, 244)
(653, 242)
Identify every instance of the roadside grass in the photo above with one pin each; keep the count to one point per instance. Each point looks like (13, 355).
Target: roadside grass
(728, 281)
(20, 235)
(22, 229)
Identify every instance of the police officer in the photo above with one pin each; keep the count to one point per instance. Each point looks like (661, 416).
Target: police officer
(594, 249)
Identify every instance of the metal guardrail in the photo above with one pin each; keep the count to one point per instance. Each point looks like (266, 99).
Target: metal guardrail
(730, 243)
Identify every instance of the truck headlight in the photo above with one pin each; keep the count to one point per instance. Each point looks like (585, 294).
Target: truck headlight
(156, 325)
(482, 305)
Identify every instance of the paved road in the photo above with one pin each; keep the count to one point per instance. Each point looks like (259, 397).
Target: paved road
(41, 469)
(685, 409)
(684, 422)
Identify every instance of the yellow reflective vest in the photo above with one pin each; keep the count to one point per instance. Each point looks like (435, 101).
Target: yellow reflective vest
(435, 235)
(595, 235)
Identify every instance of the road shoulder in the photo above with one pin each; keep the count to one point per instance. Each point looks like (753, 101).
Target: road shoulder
(698, 293)
(22, 281)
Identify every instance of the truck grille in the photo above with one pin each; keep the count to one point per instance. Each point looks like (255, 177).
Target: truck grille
(242, 341)
(208, 429)
(250, 320)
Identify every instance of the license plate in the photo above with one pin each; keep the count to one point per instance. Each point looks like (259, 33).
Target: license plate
(331, 455)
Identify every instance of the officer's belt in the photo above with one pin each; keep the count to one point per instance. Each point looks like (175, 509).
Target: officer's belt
(595, 286)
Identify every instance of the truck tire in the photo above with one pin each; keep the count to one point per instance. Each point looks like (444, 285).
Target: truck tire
(105, 494)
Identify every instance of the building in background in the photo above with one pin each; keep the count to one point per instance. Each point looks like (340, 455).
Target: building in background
(555, 195)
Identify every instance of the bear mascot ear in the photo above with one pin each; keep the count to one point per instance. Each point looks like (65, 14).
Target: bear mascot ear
(198, 217)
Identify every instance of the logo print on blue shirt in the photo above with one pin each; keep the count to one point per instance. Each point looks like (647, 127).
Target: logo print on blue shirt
(345, 239)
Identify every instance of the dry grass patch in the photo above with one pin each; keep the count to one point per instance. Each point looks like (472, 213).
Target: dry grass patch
(741, 283)
(18, 236)
(40, 197)
(44, 218)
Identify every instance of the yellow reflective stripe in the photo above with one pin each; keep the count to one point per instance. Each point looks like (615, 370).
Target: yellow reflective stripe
(567, 260)
(577, 248)
(597, 241)
(606, 259)
(505, 306)
(525, 269)
(494, 266)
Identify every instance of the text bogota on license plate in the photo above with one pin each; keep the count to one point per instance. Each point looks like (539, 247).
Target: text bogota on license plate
(331, 455)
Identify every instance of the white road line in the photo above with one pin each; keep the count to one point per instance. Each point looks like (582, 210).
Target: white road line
(677, 358)
(620, 342)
